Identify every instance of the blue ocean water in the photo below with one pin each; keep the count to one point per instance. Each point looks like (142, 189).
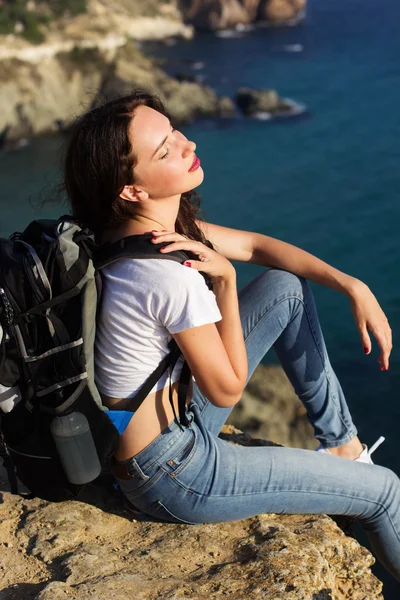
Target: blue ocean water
(328, 182)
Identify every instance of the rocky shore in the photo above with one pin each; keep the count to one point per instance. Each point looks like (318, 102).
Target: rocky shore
(96, 55)
(95, 548)
(223, 14)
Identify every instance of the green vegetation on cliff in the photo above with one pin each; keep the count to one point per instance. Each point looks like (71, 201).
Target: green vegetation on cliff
(25, 17)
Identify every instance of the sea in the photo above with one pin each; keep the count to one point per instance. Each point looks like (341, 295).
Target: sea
(327, 180)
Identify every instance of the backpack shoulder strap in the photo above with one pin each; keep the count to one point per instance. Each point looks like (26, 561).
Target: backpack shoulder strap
(134, 246)
(140, 246)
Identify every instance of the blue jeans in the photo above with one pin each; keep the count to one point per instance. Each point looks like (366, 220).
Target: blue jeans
(193, 476)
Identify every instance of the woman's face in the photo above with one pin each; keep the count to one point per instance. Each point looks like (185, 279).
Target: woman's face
(164, 156)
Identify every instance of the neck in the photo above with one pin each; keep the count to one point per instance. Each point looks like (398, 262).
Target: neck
(145, 223)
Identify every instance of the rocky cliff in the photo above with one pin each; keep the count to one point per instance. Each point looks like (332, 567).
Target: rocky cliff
(88, 58)
(95, 548)
(94, 55)
(47, 90)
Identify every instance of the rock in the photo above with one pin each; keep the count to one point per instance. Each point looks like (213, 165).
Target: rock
(145, 20)
(251, 101)
(266, 104)
(83, 552)
(270, 409)
(35, 96)
(218, 14)
(282, 11)
(225, 14)
(226, 107)
(188, 100)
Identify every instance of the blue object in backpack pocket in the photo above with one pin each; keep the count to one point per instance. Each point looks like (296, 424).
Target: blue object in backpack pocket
(120, 419)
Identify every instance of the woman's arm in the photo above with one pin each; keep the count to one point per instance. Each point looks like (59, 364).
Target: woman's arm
(259, 249)
(263, 250)
(216, 353)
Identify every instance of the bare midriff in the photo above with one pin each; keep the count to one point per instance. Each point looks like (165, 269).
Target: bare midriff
(152, 417)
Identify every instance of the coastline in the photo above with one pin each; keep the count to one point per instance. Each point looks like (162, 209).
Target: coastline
(96, 55)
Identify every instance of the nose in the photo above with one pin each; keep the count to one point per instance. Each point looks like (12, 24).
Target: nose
(188, 148)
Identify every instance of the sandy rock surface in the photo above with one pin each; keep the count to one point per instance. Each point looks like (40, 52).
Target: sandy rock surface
(79, 551)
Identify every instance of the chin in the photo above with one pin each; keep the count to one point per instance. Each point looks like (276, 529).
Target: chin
(194, 181)
(200, 176)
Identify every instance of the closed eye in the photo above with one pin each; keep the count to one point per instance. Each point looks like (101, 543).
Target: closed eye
(167, 152)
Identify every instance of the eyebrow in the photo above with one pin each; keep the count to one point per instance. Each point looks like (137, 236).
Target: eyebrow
(162, 144)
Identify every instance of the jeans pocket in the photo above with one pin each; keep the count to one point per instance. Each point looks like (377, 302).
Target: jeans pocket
(136, 486)
(159, 511)
(179, 457)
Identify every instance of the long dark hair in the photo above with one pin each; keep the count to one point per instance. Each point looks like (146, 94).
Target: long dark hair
(99, 162)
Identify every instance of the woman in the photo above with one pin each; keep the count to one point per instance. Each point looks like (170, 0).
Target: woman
(128, 172)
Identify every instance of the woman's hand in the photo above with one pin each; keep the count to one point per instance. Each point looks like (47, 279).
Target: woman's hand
(369, 316)
(211, 262)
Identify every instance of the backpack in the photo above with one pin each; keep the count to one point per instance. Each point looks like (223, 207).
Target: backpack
(50, 288)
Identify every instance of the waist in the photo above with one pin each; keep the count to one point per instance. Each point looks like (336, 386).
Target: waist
(155, 416)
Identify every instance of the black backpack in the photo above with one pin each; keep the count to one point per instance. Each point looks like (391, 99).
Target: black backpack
(49, 291)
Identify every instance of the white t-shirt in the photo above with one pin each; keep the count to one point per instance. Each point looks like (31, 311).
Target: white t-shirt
(143, 302)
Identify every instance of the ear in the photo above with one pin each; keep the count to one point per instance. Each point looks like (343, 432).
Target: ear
(133, 194)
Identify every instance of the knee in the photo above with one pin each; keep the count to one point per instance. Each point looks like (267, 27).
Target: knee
(392, 487)
(388, 487)
(286, 283)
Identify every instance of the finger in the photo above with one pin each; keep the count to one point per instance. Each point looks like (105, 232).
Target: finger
(384, 338)
(194, 264)
(389, 344)
(385, 355)
(169, 236)
(384, 361)
(365, 340)
(385, 350)
(191, 245)
(163, 232)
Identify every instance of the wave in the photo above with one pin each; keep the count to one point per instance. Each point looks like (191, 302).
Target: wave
(295, 109)
(263, 116)
(293, 48)
(229, 33)
(236, 32)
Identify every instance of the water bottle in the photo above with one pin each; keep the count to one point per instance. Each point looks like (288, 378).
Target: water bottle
(75, 447)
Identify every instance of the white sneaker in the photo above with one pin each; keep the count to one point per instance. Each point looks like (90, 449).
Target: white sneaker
(365, 455)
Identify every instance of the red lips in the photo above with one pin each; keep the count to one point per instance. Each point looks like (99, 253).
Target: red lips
(195, 164)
